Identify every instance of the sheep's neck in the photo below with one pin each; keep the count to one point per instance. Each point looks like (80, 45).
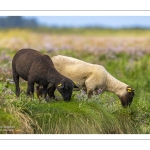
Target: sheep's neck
(54, 76)
(114, 85)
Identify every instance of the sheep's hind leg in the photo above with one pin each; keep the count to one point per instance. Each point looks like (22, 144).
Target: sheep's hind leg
(44, 92)
(16, 80)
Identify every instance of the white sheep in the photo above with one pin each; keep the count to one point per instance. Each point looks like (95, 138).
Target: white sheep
(92, 78)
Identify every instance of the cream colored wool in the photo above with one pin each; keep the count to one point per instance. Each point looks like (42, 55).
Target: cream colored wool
(90, 77)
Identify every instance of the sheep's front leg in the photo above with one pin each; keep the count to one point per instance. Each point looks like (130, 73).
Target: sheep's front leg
(90, 94)
(90, 86)
(38, 91)
(51, 91)
(30, 89)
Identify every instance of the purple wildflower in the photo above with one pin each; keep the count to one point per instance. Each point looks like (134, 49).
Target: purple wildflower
(99, 91)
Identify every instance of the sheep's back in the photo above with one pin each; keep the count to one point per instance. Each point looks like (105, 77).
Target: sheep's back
(78, 70)
(74, 69)
(71, 65)
(28, 61)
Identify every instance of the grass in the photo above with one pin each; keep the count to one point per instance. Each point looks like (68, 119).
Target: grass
(13, 120)
(102, 114)
(76, 118)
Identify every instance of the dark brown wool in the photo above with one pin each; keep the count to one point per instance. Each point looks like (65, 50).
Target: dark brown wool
(35, 67)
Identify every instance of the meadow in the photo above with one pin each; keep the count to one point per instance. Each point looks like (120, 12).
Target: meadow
(125, 53)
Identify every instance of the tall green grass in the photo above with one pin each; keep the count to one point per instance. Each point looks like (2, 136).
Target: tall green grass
(103, 114)
(77, 118)
(13, 119)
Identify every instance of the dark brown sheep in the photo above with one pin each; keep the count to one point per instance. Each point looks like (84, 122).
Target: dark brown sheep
(35, 67)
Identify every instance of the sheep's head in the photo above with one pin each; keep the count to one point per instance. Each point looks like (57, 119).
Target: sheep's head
(127, 98)
(65, 87)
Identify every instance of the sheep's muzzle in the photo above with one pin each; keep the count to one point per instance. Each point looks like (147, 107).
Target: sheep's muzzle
(127, 99)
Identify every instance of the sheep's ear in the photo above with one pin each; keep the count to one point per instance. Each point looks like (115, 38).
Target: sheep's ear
(129, 89)
(75, 86)
(60, 85)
